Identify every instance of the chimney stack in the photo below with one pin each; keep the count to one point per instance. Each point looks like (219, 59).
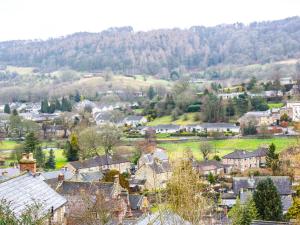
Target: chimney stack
(27, 163)
(61, 177)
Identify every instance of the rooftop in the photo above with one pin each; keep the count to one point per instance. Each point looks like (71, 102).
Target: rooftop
(28, 189)
(98, 161)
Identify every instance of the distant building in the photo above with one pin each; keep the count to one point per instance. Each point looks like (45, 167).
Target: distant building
(257, 118)
(213, 127)
(166, 129)
(211, 166)
(134, 121)
(286, 81)
(230, 95)
(242, 160)
(100, 163)
(295, 110)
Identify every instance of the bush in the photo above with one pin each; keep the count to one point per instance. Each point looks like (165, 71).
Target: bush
(193, 108)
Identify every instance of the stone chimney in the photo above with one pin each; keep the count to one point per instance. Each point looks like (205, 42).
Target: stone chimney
(27, 163)
(61, 177)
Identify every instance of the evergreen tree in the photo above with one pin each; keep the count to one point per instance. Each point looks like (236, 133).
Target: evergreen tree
(44, 106)
(77, 96)
(66, 105)
(40, 157)
(267, 201)
(15, 112)
(211, 178)
(7, 109)
(151, 93)
(52, 107)
(57, 104)
(272, 159)
(50, 164)
(72, 149)
(31, 143)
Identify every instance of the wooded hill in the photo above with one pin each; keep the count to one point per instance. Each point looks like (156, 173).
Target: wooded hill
(160, 51)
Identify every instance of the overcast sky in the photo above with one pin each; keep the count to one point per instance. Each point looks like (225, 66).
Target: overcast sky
(30, 19)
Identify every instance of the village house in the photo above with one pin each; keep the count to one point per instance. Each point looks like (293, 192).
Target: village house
(23, 187)
(243, 187)
(213, 127)
(134, 121)
(154, 170)
(100, 163)
(295, 110)
(230, 95)
(258, 118)
(211, 166)
(28, 189)
(242, 160)
(117, 199)
(166, 129)
(286, 81)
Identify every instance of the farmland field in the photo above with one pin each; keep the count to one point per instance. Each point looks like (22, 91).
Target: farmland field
(168, 120)
(223, 147)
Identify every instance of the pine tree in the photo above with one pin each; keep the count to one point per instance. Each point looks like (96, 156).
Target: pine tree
(77, 97)
(52, 107)
(44, 106)
(57, 105)
(7, 109)
(50, 164)
(40, 157)
(151, 93)
(15, 112)
(66, 105)
(271, 155)
(72, 149)
(267, 201)
(31, 142)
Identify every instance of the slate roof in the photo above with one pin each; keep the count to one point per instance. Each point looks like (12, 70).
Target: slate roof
(167, 127)
(160, 167)
(73, 187)
(26, 190)
(54, 174)
(133, 118)
(164, 218)
(282, 183)
(88, 176)
(208, 165)
(242, 154)
(135, 201)
(218, 125)
(98, 161)
(7, 173)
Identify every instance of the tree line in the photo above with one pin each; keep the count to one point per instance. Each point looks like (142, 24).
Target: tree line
(160, 51)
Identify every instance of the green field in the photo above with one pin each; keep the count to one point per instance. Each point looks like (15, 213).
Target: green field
(4, 145)
(168, 120)
(275, 105)
(223, 147)
(59, 157)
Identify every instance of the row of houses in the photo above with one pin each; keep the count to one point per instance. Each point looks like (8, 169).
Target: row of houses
(198, 128)
(272, 116)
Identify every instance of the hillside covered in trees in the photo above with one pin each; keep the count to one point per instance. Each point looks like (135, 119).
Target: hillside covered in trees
(160, 51)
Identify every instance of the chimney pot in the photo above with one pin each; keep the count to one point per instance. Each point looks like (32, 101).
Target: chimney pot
(61, 177)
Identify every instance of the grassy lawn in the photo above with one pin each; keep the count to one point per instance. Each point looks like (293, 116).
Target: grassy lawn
(275, 105)
(4, 145)
(223, 147)
(168, 120)
(59, 157)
